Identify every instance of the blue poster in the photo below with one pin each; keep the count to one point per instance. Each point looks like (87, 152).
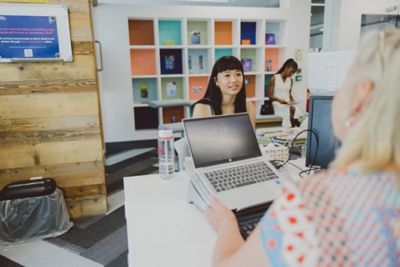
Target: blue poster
(28, 37)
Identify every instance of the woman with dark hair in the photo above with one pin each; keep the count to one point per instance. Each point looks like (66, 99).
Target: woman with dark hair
(280, 92)
(226, 92)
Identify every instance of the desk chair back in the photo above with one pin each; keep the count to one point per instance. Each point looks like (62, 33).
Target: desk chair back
(182, 149)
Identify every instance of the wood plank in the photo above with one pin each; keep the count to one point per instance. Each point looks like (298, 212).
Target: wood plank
(20, 156)
(80, 27)
(35, 137)
(82, 48)
(73, 5)
(82, 67)
(87, 206)
(56, 123)
(48, 105)
(84, 191)
(48, 86)
(65, 175)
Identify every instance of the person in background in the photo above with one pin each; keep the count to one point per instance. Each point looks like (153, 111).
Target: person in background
(226, 92)
(280, 92)
(350, 214)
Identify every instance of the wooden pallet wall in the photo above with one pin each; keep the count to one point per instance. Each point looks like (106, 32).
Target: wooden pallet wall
(50, 120)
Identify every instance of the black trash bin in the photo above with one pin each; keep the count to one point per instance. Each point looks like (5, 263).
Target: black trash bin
(32, 209)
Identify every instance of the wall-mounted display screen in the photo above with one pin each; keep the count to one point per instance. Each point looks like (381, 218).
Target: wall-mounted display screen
(34, 32)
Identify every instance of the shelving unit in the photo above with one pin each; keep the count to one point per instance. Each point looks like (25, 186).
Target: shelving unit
(173, 58)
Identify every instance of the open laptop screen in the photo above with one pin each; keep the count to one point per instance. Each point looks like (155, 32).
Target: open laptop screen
(221, 139)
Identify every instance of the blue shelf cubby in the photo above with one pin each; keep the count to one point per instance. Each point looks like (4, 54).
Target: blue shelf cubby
(170, 32)
(248, 32)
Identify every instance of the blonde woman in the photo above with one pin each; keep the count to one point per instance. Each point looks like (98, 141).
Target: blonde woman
(350, 215)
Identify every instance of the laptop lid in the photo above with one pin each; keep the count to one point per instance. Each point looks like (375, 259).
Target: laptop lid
(221, 139)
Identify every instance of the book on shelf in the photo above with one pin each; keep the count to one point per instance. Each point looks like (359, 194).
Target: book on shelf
(195, 37)
(268, 64)
(246, 41)
(144, 90)
(171, 89)
(246, 62)
(201, 65)
(169, 62)
(270, 38)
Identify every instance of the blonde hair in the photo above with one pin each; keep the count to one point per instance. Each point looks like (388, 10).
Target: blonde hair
(375, 139)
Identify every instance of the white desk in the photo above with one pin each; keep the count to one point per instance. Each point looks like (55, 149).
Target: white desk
(163, 229)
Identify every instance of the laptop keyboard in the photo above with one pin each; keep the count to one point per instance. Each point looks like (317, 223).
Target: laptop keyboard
(238, 176)
(249, 218)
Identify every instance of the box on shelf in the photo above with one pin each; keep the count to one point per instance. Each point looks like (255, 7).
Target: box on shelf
(246, 41)
(169, 42)
(195, 37)
(171, 89)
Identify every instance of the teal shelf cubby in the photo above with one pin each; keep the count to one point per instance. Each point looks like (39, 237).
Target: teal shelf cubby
(144, 90)
(221, 52)
(170, 32)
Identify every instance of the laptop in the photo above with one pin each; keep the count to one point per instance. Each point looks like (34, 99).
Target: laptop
(228, 162)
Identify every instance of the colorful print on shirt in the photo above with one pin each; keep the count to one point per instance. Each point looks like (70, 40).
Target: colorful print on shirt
(335, 219)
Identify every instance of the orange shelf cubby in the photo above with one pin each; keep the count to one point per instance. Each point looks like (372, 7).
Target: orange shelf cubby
(141, 32)
(274, 55)
(251, 85)
(223, 33)
(197, 87)
(143, 62)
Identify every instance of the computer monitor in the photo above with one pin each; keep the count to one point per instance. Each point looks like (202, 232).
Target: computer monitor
(319, 121)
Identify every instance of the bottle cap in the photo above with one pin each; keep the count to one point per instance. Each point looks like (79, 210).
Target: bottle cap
(165, 133)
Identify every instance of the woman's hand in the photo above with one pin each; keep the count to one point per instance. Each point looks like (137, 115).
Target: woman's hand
(282, 101)
(220, 217)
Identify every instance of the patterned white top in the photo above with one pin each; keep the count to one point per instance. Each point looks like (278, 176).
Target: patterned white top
(347, 218)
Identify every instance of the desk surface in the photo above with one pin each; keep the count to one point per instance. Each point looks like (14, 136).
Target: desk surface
(163, 229)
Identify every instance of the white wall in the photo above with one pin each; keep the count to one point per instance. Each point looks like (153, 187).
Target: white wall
(111, 29)
(350, 19)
